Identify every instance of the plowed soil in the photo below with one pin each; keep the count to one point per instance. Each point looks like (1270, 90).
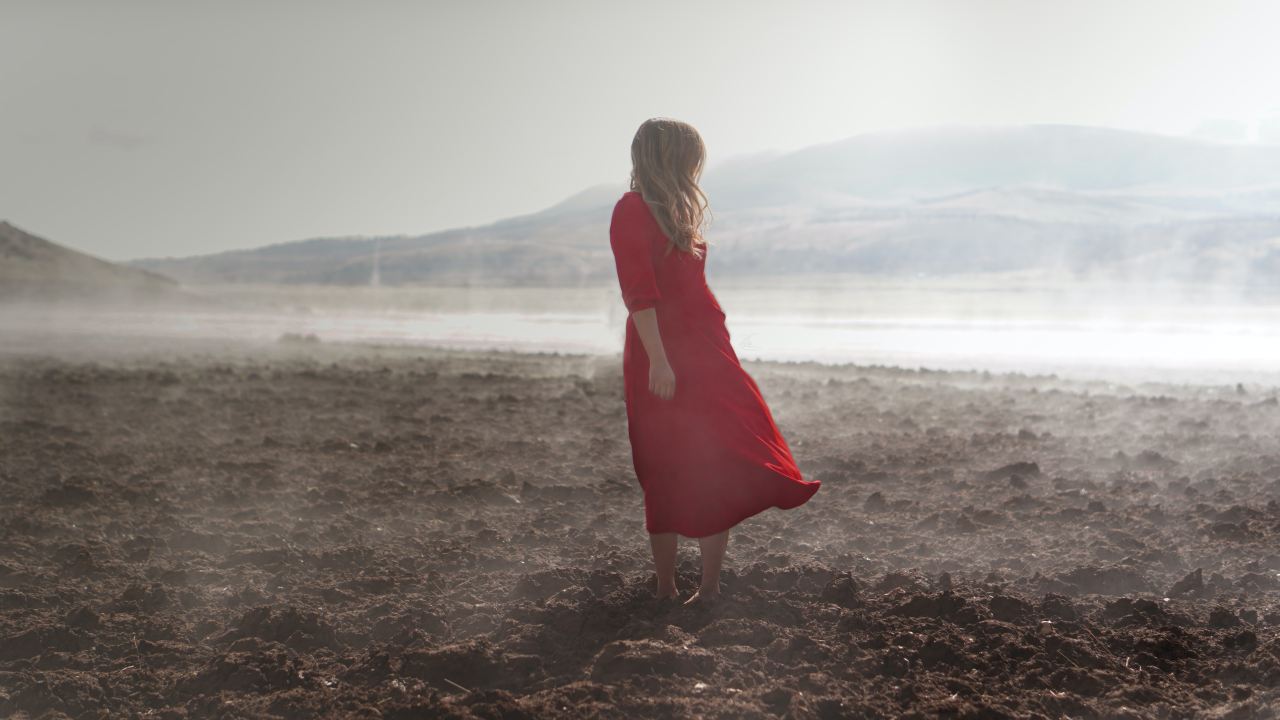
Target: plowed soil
(391, 533)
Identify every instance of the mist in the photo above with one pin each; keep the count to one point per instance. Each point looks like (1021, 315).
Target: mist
(319, 396)
(1051, 249)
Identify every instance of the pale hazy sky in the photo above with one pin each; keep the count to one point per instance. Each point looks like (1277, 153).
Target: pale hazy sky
(132, 129)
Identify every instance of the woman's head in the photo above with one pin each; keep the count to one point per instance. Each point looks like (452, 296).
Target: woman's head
(666, 162)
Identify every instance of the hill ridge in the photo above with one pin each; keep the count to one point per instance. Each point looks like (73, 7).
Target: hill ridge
(918, 200)
(33, 268)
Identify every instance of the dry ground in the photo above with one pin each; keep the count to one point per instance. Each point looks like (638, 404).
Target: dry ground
(322, 531)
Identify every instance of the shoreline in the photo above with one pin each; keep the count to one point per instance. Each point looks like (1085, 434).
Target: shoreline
(103, 347)
(1159, 349)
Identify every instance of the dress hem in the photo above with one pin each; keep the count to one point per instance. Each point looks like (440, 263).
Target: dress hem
(815, 485)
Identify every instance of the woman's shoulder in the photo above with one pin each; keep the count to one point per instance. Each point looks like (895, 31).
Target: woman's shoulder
(631, 203)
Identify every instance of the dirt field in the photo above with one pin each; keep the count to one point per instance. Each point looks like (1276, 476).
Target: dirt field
(351, 532)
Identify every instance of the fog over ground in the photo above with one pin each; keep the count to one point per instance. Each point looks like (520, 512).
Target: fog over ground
(1005, 273)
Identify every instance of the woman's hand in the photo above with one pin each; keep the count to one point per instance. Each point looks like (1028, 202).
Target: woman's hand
(662, 380)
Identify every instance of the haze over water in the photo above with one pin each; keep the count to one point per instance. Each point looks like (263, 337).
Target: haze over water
(937, 326)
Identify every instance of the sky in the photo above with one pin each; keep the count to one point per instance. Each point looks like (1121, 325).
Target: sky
(136, 128)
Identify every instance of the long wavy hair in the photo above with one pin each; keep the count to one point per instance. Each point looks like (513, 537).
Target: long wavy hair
(666, 162)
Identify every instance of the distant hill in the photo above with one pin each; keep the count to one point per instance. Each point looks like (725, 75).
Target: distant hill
(936, 161)
(35, 269)
(1046, 198)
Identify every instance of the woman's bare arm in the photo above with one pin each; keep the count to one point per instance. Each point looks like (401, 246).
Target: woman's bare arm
(662, 381)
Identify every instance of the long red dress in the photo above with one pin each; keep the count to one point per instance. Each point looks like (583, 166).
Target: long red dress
(711, 456)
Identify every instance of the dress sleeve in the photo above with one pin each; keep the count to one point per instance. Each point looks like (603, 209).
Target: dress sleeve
(633, 255)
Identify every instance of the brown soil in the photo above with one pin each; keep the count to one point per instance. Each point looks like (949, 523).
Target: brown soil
(394, 533)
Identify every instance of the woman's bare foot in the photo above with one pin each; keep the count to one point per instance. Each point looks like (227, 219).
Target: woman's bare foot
(664, 564)
(712, 548)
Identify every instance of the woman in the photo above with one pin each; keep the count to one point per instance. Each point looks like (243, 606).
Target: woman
(705, 448)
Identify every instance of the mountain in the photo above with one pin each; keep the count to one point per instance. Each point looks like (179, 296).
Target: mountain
(1044, 198)
(937, 161)
(35, 269)
(560, 245)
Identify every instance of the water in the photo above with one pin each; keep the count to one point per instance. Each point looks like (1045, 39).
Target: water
(946, 327)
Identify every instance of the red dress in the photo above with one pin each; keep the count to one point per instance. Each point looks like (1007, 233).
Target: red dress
(711, 456)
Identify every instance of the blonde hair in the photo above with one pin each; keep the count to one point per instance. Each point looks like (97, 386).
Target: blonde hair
(666, 163)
